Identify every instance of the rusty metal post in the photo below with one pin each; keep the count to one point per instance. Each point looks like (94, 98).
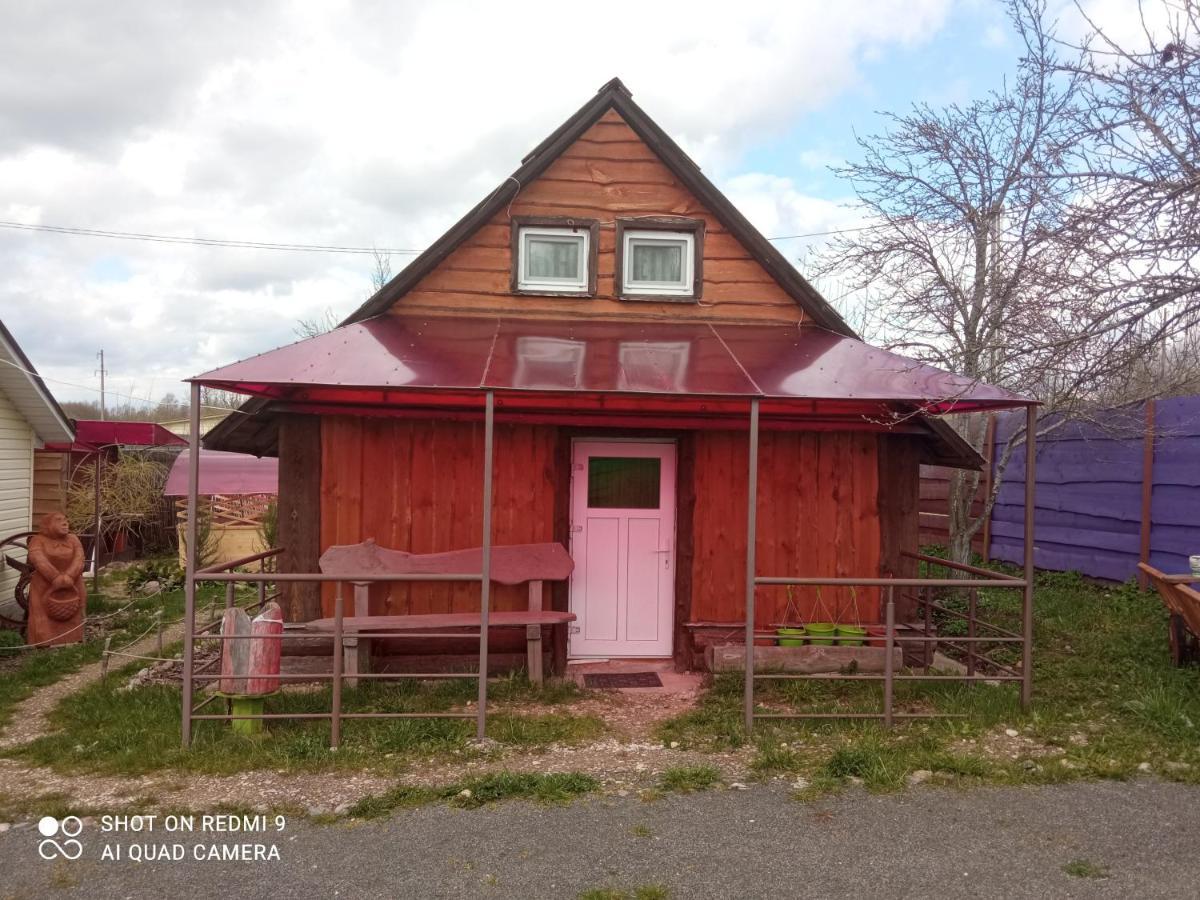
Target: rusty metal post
(189, 584)
(751, 528)
(104, 658)
(889, 666)
(485, 587)
(927, 646)
(1027, 593)
(96, 541)
(335, 720)
(972, 612)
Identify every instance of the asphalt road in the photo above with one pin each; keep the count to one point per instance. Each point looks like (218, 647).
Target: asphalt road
(727, 843)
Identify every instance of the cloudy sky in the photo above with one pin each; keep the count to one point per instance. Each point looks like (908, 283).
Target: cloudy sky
(377, 124)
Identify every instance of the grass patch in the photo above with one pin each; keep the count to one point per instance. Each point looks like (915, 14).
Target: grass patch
(1085, 868)
(1106, 699)
(688, 779)
(23, 672)
(643, 892)
(558, 787)
(104, 729)
(561, 787)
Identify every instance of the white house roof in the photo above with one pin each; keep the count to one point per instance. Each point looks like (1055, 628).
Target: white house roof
(23, 386)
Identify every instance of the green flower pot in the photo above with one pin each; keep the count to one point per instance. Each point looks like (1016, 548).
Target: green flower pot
(821, 633)
(851, 635)
(795, 636)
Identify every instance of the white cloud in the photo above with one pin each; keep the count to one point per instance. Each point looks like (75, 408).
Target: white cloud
(349, 123)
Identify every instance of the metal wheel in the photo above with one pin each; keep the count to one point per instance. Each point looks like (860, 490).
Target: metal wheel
(19, 541)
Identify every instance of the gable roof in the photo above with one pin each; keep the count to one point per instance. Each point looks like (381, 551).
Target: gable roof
(24, 387)
(615, 96)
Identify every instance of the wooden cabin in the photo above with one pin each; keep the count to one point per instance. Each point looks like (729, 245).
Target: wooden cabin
(624, 318)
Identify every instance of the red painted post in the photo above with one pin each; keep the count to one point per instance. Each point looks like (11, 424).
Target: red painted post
(335, 721)
(1027, 593)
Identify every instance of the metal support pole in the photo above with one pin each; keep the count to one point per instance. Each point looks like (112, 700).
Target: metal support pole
(96, 542)
(230, 593)
(751, 523)
(889, 644)
(972, 612)
(189, 584)
(927, 648)
(335, 719)
(485, 592)
(1027, 593)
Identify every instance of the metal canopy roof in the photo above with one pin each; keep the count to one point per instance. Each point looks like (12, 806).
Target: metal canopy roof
(393, 360)
(91, 434)
(224, 473)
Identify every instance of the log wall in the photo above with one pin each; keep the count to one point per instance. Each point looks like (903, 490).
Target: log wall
(608, 173)
(415, 486)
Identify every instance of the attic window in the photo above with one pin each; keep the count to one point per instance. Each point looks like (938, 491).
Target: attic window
(554, 256)
(660, 258)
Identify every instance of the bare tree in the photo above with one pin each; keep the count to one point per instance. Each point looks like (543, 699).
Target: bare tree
(1133, 163)
(974, 261)
(381, 274)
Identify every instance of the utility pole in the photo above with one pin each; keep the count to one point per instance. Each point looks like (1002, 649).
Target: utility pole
(102, 414)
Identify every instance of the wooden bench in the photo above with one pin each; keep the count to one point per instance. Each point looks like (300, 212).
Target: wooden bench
(531, 564)
(1183, 603)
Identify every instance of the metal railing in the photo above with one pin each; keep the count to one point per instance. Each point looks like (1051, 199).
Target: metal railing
(978, 578)
(968, 645)
(361, 580)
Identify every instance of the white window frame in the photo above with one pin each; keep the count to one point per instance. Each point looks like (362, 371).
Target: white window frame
(683, 288)
(553, 285)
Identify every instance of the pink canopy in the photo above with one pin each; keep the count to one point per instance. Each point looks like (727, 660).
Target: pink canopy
(225, 473)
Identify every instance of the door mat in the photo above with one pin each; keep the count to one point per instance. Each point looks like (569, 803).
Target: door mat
(622, 680)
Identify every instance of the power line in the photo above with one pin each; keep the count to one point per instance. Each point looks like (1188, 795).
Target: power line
(85, 387)
(204, 242)
(272, 245)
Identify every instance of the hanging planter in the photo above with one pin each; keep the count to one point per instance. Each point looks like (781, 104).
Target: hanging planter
(791, 635)
(821, 633)
(851, 635)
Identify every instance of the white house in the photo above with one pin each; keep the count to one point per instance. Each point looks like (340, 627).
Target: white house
(29, 418)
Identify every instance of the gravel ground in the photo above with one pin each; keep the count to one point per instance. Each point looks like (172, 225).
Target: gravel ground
(1011, 842)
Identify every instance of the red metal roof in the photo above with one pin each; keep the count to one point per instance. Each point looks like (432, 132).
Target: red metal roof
(91, 434)
(225, 473)
(395, 360)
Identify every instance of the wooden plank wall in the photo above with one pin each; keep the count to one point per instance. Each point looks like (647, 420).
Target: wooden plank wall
(416, 486)
(49, 483)
(818, 514)
(935, 499)
(299, 508)
(608, 173)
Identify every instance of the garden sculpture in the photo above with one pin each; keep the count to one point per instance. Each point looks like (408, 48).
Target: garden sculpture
(56, 594)
(250, 658)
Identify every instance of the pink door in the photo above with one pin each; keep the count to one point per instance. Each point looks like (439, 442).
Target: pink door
(623, 544)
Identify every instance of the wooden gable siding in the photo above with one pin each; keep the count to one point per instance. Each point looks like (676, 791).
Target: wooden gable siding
(818, 514)
(415, 486)
(608, 173)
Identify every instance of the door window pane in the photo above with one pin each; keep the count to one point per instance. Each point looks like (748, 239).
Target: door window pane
(623, 482)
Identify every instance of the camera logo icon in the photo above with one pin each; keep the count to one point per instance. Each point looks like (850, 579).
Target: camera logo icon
(69, 828)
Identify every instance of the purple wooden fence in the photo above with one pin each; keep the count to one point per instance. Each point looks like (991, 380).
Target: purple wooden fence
(1090, 496)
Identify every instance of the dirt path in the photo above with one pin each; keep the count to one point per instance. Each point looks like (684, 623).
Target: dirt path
(30, 719)
(626, 760)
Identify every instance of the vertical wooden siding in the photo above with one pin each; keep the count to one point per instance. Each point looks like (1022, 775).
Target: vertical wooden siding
(818, 514)
(608, 173)
(416, 486)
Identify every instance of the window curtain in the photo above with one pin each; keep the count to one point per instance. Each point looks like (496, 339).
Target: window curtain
(553, 259)
(658, 262)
